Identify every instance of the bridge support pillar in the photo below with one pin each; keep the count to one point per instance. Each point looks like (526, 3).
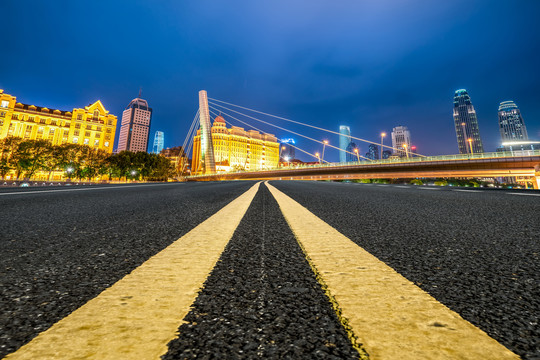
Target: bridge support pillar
(207, 148)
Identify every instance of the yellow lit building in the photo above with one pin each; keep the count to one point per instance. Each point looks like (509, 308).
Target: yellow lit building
(237, 149)
(93, 125)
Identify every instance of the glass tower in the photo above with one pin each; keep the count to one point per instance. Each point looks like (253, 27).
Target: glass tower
(287, 149)
(344, 141)
(159, 139)
(351, 154)
(511, 122)
(373, 152)
(466, 123)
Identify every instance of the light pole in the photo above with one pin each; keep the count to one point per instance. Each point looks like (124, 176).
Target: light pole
(318, 158)
(286, 158)
(69, 170)
(383, 134)
(470, 144)
(406, 152)
(464, 132)
(324, 145)
(357, 155)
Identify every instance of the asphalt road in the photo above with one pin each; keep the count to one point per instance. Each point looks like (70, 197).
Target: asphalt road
(475, 251)
(62, 246)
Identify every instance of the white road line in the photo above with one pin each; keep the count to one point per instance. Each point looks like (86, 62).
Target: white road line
(83, 189)
(402, 186)
(524, 194)
(467, 190)
(426, 188)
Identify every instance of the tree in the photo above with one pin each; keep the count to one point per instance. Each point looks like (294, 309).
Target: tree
(7, 148)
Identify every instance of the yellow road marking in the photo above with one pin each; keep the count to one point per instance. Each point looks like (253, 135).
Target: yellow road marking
(136, 317)
(392, 317)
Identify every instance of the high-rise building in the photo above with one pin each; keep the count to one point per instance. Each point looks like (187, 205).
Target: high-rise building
(92, 125)
(351, 152)
(511, 123)
(386, 154)
(135, 128)
(373, 152)
(236, 149)
(401, 140)
(159, 139)
(466, 123)
(287, 149)
(344, 141)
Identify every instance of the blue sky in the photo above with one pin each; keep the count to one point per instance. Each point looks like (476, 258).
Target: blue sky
(371, 65)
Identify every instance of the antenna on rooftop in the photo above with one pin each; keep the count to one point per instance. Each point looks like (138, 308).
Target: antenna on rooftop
(140, 92)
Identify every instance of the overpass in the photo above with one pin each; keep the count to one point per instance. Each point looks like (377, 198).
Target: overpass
(495, 164)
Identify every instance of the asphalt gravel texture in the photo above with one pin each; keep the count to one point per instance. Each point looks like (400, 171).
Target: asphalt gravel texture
(262, 299)
(476, 252)
(60, 249)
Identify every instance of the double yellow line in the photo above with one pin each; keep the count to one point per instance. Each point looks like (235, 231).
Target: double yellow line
(387, 314)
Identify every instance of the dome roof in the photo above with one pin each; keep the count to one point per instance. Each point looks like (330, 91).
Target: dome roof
(219, 118)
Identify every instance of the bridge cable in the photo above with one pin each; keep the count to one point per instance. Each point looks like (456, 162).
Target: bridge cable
(292, 132)
(311, 126)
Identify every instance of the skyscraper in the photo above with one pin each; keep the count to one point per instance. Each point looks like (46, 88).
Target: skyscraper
(344, 141)
(511, 122)
(135, 129)
(287, 150)
(401, 140)
(373, 152)
(351, 152)
(466, 123)
(159, 139)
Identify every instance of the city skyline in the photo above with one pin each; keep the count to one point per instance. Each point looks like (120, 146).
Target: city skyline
(407, 76)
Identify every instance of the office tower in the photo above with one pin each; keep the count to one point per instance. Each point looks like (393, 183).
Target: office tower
(511, 123)
(135, 128)
(344, 141)
(466, 123)
(287, 150)
(159, 139)
(386, 154)
(92, 125)
(236, 149)
(401, 140)
(351, 152)
(373, 152)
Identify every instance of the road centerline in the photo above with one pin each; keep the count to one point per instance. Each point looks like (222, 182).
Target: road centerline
(392, 317)
(137, 316)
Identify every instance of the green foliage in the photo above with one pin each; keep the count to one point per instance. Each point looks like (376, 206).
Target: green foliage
(441, 183)
(416, 182)
(26, 157)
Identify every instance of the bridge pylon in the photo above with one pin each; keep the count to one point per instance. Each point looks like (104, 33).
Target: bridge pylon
(208, 162)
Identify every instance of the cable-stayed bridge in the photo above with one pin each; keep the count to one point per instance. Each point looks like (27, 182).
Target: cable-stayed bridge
(410, 165)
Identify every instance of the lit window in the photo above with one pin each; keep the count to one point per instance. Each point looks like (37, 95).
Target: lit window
(75, 140)
(5, 103)
(86, 141)
(96, 142)
(106, 144)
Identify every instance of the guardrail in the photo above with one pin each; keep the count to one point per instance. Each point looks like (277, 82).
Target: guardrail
(416, 159)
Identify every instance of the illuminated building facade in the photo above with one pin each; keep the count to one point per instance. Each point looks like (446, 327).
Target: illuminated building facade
(287, 151)
(135, 128)
(178, 159)
(466, 124)
(344, 141)
(401, 140)
(159, 140)
(511, 123)
(92, 125)
(237, 149)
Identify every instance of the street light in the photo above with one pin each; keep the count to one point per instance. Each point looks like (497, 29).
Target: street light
(470, 144)
(287, 160)
(69, 170)
(464, 132)
(318, 158)
(357, 155)
(406, 152)
(383, 134)
(325, 142)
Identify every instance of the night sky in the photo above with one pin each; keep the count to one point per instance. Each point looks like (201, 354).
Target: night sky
(372, 65)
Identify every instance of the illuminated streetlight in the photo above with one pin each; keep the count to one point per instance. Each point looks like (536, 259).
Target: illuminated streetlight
(383, 134)
(287, 160)
(464, 133)
(357, 155)
(325, 142)
(406, 152)
(318, 158)
(470, 144)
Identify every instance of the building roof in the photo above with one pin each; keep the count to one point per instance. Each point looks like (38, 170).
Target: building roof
(219, 118)
(42, 109)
